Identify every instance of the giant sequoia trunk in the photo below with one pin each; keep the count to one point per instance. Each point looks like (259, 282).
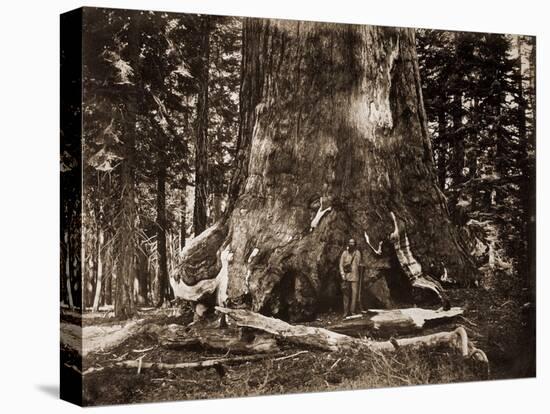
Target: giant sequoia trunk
(331, 116)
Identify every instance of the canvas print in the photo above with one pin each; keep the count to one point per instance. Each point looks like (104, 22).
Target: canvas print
(259, 206)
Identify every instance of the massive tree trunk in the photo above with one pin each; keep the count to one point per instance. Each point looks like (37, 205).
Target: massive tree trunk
(201, 140)
(331, 116)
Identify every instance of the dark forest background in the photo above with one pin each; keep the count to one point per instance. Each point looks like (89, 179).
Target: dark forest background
(161, 120)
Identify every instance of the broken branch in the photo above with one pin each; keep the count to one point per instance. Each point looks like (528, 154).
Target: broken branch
(210, 363)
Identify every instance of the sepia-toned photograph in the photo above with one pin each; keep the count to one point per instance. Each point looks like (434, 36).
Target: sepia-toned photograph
(254, 206)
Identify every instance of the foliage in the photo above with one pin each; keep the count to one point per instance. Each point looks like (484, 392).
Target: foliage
(140, 78)
(478, 97)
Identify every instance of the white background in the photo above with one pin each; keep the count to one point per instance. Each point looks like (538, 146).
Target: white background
(29, 143)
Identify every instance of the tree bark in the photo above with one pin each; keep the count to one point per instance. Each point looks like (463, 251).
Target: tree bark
(524, 154)
(201, 140)
(128, 218)
(109, 287)
(532, 141)
(164, 285)
(458, 142)
(443, 144)
(352, 135)
(457, 163)
(124, 298)
(224, 339)
(183, 220)
(395, 321)
(99, 264)
(67, 265)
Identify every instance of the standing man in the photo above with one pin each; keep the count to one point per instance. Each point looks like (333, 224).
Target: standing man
(349, 271)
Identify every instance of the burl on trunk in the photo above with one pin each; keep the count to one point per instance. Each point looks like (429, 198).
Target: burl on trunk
(333, 139)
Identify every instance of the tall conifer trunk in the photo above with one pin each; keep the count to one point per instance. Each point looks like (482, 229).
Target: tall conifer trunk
(164, 286)
(201, 140)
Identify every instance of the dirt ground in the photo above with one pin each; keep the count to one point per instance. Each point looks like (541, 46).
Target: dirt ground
(500, 324)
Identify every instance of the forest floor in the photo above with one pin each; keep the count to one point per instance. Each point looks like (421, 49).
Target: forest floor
(498, 323)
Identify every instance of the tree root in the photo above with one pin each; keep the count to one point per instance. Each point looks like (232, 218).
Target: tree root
(411, 267)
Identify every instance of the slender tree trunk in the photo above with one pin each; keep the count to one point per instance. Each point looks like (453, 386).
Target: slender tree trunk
(525, 161)
(522, 119)
(499, 159)
(68, 269)
(201, 140)
(124, 299)
(352, 137)
(128, 221)
(443, 144)
(109, 285)
(532, 207)
(216, 207)
(183, 220)
(89, 280)
(474, 150)
(142, 288)
(99, 264)
(457, 162)
(164, 285)
(458, 142)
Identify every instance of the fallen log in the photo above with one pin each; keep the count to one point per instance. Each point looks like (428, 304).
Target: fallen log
(222, 339)
(100, 338)
(456, 339)
(97, 338)
(208, 363)
(309, 336)
(320, 338)
(395, 321)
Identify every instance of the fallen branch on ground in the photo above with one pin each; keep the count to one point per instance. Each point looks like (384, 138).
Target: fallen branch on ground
(97, 338)
(291, 356)
(320, 338)
(395, 321)
(313, 337)
(210, 363)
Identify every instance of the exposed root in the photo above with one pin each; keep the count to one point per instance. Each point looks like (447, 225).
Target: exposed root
(411, 267)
